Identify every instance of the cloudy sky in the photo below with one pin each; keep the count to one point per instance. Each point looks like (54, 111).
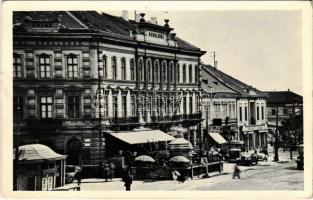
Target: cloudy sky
(260, 48)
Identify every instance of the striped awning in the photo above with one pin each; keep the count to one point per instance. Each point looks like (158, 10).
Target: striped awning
(217, 138)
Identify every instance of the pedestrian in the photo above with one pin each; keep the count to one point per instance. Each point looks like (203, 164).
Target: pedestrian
(127, 179)
(106, 171)
(236, 171)
(112, 169)
(78, 176)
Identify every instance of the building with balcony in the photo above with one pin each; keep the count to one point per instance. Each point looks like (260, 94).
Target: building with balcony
(80, 77)
(236, 106)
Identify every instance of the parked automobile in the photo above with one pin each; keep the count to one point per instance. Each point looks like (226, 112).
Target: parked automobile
(233, 154)
(247, 159)
(69, 173)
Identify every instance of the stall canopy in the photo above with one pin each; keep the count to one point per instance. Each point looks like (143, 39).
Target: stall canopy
(141, 137)
(217, 138)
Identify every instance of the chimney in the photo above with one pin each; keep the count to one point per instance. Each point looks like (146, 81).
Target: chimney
(142, 15)
(173, 36)
(137, 17)
(125, 14)
(166, 23)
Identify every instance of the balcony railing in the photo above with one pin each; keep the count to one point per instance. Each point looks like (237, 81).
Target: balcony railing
(166, 118)
(123, 120)
(195, 116)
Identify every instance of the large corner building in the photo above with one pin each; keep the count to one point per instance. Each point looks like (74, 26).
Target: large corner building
(81, 77)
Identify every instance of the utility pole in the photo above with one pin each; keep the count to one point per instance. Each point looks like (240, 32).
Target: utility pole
(276, 143)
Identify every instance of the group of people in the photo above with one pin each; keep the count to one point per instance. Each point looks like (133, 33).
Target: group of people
(107, 170)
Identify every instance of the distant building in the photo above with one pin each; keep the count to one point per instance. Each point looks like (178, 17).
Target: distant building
(235, 101)
(281, 106)
(79, 78)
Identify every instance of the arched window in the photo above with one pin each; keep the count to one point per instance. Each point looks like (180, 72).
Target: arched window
(177, 73)
(171, 73)
(72, 66)
(149, 71)
(156, 71)
(190, 73)
(184, 73)
(114, 70)
(123, 68)
(132, 70)
(17, 65)
(142, 70)
(44, 66)
(164, 70)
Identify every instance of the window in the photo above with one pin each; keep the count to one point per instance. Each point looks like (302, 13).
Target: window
(171, 73)
(103, 102)
(190, 105)
(262, 112)
(196, 74)
(240, 113)
(17, 65)
(285, 111)
(133, 105)
(149, 71)
(185, 105)
(164, 74)
(157, 74)
(184, 73)
(273, 111)
(73, 107)
(257, 113)
(114, 70)
(46, 107)
(115, 106)
(246, 113)
(197, 104)
(132, 70)
(18, 107)
(72, 66)
(190, 74)
(123, 66)
(103, 67)
(44, 66)
(124, 106)
(141, 70)
(177, 73)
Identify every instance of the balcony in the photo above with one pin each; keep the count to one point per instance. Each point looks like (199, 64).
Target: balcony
(167, 118)
(124, 120)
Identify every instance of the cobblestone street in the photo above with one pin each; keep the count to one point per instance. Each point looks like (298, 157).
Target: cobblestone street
(265, 176)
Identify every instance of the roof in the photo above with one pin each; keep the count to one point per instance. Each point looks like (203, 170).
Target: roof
(92, 21)
(232, 83)
(283, 97)
(37, 152)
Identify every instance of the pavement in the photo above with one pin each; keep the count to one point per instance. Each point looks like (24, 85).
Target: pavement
(268, 175)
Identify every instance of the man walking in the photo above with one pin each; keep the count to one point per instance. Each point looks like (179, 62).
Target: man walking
(236, 172)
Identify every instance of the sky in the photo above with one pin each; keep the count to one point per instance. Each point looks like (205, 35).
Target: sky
(261, 48)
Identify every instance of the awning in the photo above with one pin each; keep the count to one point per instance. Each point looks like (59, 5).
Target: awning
(273, 124)
(217, 138)
(141, 137)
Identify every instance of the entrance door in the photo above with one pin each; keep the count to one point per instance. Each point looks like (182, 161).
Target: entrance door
(74, 147)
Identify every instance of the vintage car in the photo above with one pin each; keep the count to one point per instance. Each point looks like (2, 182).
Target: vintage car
(234, 154)
(300, 158)
(247, 159)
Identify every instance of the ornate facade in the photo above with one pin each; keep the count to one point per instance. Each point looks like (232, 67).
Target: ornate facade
(80, 74)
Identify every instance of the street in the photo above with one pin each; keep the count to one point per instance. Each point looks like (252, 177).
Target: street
(264, 176)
